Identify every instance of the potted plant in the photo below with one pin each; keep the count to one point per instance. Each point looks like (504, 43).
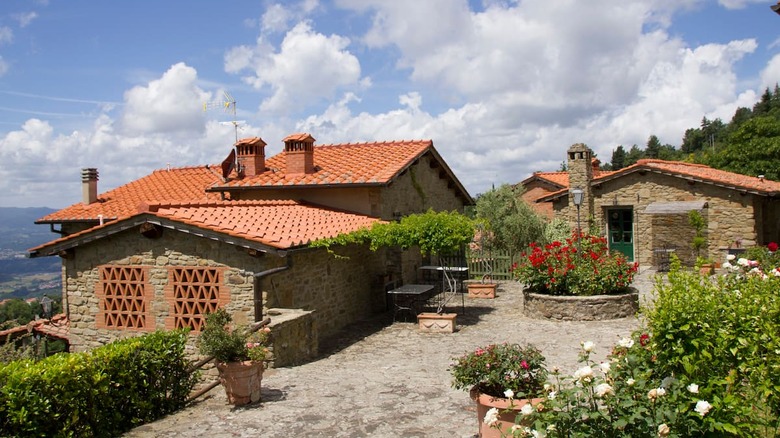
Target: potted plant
(705, 265)
(480, 248)
(577, 279)
(503, 380)
(239, 356)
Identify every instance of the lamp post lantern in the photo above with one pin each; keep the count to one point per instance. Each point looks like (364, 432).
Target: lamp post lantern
(577, 195)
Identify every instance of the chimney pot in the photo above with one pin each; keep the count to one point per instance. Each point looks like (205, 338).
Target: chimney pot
(251, 155)
(299, 153)
(89, 179)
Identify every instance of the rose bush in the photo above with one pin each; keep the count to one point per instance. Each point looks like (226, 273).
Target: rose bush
(498, 368)
(582, 265)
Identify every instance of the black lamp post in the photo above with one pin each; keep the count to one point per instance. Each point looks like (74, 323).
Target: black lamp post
(577, 195)
(776, 7)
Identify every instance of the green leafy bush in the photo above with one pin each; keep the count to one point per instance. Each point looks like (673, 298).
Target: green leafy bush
(231, 344)
(101, 393)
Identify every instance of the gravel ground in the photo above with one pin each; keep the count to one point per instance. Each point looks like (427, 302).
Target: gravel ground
(383, 379)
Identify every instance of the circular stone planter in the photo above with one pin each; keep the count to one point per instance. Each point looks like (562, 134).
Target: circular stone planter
(576, 308)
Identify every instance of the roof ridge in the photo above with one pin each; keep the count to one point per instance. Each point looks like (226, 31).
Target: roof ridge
(365, 143)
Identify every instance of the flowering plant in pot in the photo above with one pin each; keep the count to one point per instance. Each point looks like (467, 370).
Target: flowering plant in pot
(582, 265)
(238, 355)
(503, 379)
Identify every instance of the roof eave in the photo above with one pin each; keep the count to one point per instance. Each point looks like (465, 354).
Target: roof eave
(137, 220)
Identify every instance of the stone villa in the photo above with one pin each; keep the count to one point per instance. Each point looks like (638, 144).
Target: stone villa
(161, 251)
(643, 208)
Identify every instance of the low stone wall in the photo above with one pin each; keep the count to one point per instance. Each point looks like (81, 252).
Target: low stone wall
(580, 308)
(294, 337)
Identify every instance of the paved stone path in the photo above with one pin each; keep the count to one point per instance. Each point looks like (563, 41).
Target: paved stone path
(389, 380)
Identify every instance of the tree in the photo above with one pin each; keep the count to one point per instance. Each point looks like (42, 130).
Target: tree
(16, 310)
(653, 148)
(618, 158)
(634, 154)
(512, 223)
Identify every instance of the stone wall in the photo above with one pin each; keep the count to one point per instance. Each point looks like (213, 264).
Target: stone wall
(328, 292)
(129, 248)
(580, 308)
(729, 213)
(419, 188)
(340, 289)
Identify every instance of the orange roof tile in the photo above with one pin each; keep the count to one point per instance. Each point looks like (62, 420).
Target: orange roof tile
(57, 327)
(184, 184)
(677, 168)
(350, 163)
(716, 176)
(280, 224)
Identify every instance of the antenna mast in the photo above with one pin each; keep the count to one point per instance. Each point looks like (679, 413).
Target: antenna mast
(228, 104)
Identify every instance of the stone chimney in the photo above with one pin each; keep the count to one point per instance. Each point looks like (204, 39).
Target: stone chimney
(299, 152)
(251, 155)
(89, 179)
(580, 175)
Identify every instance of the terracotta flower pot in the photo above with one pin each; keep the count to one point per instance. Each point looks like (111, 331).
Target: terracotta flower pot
(241, 381)
(481, 290)
(437, 322)
(508, 410)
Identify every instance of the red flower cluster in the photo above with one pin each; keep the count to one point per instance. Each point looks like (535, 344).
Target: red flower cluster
(772, 246)
(583, 265)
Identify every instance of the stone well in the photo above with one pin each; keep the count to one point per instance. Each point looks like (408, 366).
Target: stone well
(580, 308)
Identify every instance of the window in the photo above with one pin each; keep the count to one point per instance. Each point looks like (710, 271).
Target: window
(125, 296)
(193, 292)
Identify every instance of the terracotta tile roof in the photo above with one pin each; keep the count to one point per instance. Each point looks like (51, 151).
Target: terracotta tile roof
(558, 178)
(682, 169)
(280, 224)
(343, 164)
(716, 176)
(184, 184)
(57, 327)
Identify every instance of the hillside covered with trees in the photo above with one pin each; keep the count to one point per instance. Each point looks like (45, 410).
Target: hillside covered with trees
(748, 144)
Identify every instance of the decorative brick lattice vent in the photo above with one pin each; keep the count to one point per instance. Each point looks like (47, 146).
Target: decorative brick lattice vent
(125, 296)
(192, 293)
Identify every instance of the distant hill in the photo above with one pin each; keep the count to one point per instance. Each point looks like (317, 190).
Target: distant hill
(22, 277)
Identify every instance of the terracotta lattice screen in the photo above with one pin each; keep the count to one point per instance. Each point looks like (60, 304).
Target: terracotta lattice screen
(125, 296)
(192, 292)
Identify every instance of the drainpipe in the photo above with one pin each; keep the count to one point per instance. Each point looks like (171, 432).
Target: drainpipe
(258, 286)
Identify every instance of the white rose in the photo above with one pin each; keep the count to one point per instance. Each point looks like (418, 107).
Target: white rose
(527, 409)
(584, 374)
(742, 261)
(491, 416)
(509, 393)
(626, 342)
(663, 430)
(587, 346)
(604, 367)
(603, 389)
(693, 388)
(730, 257)
(702, 407)
(630, 382)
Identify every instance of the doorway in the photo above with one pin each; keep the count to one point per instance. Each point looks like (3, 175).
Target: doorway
(621, 231)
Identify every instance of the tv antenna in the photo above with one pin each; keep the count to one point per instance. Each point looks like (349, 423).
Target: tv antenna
(227, 104)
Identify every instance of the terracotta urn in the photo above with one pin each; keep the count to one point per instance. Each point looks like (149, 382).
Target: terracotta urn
(241, 381)
(508, 410)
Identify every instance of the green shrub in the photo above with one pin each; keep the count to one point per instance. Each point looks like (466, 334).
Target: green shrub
(725, 335)
(101, 393)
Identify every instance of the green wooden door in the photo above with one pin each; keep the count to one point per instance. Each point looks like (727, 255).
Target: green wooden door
(621, 231)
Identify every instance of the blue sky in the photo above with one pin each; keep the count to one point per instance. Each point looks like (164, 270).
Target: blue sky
(502, 88)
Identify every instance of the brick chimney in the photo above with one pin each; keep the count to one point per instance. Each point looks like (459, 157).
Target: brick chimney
(299, 152)
(89, 179)
(251, 155)
(580, 167)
